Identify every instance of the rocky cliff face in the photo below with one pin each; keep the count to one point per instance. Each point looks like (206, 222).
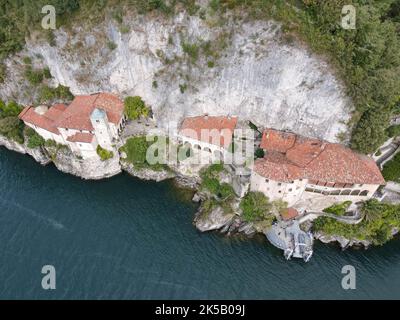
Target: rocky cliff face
(237, 68)
(38, 154)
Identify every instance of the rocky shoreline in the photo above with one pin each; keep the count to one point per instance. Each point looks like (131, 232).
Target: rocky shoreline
(95, 169)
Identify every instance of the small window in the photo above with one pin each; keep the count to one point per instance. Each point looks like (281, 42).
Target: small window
(279, 184)
(266, 180)
(98, 121)
(280, 191)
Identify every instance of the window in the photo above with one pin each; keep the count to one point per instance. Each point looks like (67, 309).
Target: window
(98, 121)
(290, 190)
(266, 180)
(279, 184)
(280, 191)
(364, 193)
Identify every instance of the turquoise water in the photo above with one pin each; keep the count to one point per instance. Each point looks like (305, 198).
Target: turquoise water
(129, 239)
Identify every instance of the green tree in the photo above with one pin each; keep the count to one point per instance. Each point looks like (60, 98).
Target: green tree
(135, 107)
(35, 141)
(391, 169)
(372, 209)
(370, 133)
(256, 207)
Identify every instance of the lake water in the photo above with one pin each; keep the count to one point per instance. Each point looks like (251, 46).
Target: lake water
(129, 239)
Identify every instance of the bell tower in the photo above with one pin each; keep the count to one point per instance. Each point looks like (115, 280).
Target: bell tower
(101, 128)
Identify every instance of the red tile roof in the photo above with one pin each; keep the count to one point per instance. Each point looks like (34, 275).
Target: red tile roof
(77, 114)
(45, 121)
(277, 140)
(81, 137)
(213, 130)
(289, 213)
(290, 157)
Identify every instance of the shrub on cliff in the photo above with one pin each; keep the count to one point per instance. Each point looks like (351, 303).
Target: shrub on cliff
(210, 181)
(35, 140)
(48, 94)
(11, 109)
(12, 128)
(104, 154)
(135, 107)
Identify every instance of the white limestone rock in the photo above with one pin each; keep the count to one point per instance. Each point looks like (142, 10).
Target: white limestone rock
(38, 154)
(147, 174)
(214, 220)
(90, 168)
(258, 76)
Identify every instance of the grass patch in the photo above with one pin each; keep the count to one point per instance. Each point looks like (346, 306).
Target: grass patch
(104, 154)
(339, 208)
(135, 149)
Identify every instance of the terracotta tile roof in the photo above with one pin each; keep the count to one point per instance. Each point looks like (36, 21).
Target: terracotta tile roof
(213, 130)
(277, 140)
(289, 213)
(77, 114)
(45, 121)
(313, 159)
(81, 137)
(275, 166)
(340, 164)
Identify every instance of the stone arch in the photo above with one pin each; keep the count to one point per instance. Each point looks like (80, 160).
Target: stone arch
(355, 192)
(206, 149)
(345, 192)
(364, 193)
